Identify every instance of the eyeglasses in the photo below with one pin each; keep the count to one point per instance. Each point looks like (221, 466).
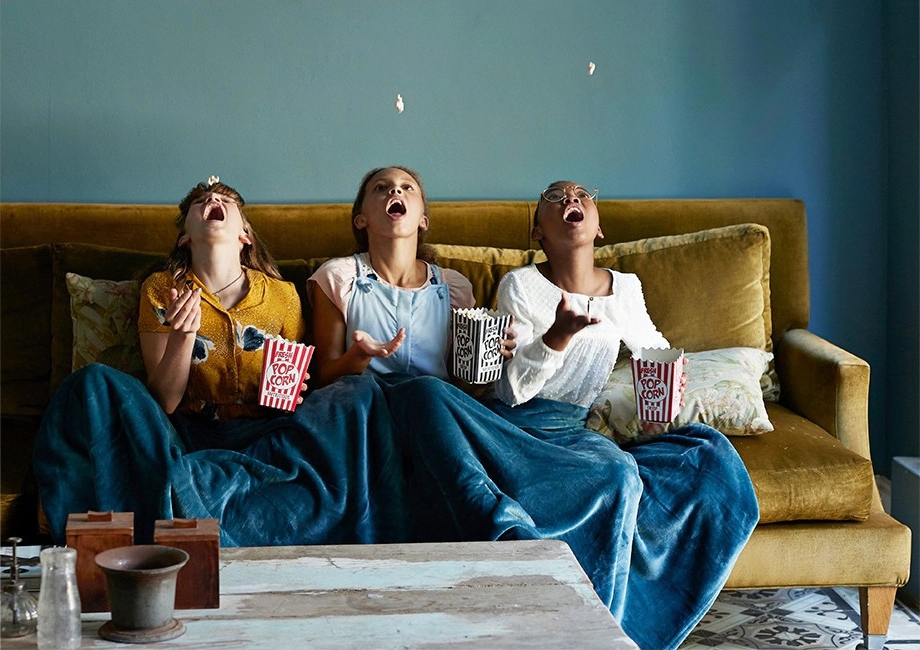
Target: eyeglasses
(555, 193)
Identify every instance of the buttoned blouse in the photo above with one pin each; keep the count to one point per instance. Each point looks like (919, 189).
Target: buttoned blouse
(227, 356)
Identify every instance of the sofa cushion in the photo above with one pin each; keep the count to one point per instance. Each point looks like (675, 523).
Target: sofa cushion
(706, 290)
(800, 471)
(98, 263)
(104, 315)
(25, 328)
(483, 266)
(723, 390)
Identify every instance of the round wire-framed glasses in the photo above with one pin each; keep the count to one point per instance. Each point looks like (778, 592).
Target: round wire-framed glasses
(555, 193)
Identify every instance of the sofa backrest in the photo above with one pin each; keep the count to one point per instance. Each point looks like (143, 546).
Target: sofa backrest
(323, 230)
(484, 239)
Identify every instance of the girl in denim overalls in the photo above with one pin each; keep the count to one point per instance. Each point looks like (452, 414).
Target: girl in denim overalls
(385, 308)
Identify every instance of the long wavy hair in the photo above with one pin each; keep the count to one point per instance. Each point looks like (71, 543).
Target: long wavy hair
(254, 255)
(423, 250)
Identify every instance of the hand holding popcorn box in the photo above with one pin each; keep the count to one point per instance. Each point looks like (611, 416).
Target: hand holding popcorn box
(656, 378)
(283, 368)
(477, 333)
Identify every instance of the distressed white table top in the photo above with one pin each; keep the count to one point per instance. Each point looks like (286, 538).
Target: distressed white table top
(526, 594)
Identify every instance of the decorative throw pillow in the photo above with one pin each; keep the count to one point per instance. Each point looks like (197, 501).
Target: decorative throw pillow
(723, 390)
(104, 314)
(706, 290)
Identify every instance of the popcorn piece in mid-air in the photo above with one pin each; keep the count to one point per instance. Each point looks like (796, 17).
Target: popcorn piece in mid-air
(400, 106)
(591, 67)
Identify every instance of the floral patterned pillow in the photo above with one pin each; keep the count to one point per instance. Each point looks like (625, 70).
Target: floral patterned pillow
(104, 314)
(723, 390)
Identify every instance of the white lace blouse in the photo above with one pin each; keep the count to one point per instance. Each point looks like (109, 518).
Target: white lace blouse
(578, 373)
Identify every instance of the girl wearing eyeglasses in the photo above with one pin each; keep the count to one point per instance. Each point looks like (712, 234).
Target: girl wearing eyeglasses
(684, 501)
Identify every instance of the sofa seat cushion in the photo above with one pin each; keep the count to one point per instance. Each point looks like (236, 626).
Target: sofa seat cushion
(801, 472)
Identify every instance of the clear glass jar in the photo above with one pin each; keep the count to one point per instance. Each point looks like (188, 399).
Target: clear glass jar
(59, 601)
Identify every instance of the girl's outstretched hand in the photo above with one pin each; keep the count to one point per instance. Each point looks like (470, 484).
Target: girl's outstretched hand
(567, 324)
(373, 348)
(507, 345)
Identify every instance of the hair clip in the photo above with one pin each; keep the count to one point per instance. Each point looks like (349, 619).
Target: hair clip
(213, 180)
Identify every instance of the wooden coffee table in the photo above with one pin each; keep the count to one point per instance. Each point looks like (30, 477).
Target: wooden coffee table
(523, 594)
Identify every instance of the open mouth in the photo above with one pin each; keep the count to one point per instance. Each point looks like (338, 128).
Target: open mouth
(573, 214)
(214, 212)
(396, 208)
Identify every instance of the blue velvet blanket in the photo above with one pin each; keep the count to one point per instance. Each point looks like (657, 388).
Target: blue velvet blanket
(375, 459)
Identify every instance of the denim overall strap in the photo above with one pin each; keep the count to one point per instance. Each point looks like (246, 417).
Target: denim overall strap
(381, 309)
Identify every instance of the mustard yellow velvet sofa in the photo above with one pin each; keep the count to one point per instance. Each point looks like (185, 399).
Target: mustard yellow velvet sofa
(716, 273)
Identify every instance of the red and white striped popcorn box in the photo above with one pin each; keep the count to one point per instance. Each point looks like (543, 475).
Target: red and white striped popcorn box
(656, 378)
(283, 368)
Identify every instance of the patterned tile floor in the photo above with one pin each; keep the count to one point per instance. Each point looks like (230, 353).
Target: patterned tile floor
(795, 619)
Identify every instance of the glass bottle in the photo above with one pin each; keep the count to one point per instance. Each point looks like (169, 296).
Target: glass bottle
(18, 609)
(59, 601)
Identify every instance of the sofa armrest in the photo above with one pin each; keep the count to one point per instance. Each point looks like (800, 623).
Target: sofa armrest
(825, 384)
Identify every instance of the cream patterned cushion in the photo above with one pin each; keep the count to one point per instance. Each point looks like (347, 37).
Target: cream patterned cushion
(104, 314)
(723, 390)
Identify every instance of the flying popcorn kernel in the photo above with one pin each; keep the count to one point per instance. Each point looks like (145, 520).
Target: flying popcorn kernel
(400, 106)
(591, 67)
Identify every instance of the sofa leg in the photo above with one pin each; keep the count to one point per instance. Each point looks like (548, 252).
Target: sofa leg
(875, 607)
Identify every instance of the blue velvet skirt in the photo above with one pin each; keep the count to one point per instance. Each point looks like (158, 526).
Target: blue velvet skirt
(373, 459)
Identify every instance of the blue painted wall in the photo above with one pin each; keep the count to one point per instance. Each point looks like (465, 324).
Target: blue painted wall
(134, 101)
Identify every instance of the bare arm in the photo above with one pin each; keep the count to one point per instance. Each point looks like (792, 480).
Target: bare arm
(168, 357)
(329, 331)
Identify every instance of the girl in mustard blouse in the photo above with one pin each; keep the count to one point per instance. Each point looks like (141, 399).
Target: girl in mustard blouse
(203, 320)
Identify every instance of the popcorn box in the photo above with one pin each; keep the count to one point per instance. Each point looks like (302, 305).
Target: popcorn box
(656, 378)
(476, 333)
(283, 368)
